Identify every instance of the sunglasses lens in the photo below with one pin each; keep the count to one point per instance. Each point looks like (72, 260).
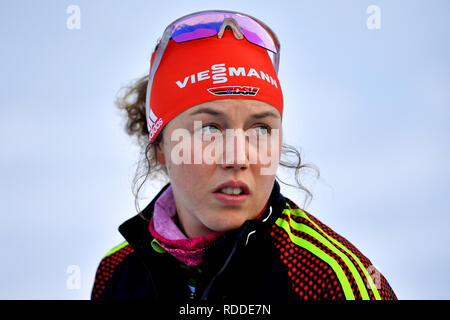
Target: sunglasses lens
(207, 24)
(198, 26)
(255, 33)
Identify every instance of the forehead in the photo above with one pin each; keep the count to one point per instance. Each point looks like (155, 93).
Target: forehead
(234, 108)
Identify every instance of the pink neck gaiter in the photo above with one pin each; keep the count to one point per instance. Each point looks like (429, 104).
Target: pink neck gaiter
(163, 227)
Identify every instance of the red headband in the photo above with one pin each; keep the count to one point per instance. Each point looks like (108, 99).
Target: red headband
(198, 71)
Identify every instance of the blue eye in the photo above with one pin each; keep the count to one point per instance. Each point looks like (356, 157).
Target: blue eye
(210, 129)
(262, 130)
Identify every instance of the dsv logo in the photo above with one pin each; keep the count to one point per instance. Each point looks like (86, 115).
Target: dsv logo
(233, 90)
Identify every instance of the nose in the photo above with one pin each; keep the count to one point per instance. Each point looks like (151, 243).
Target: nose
(236, 150)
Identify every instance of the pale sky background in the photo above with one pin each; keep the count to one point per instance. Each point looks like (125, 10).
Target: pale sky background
(370, 108)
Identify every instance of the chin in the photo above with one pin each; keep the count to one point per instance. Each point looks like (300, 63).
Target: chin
(227, 219)
(226, 224)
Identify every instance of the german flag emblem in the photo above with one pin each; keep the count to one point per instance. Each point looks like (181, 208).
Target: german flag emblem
(233, 90)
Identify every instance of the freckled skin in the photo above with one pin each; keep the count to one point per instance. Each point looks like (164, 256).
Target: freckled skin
(199, 212)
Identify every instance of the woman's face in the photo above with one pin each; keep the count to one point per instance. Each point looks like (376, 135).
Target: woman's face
(215, 150)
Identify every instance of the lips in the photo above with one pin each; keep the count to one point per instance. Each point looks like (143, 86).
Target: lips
(232, 199)
(233, 184)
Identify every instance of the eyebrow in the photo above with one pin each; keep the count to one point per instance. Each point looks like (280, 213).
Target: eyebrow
(221, 114)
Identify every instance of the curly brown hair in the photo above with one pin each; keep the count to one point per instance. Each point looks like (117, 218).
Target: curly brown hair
(132, 102)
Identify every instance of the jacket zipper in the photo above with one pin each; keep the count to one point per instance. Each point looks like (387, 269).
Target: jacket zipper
(205, 293)
(192, 294)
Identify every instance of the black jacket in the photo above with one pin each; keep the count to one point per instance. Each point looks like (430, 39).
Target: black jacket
(260, 261)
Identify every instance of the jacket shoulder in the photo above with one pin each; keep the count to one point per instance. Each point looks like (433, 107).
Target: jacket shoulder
(108, 266)
(312, 250)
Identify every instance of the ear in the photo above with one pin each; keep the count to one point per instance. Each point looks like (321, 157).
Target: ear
(160, 154)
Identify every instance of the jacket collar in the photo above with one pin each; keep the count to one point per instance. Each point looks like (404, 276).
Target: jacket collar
(218, 253)
(135, 229)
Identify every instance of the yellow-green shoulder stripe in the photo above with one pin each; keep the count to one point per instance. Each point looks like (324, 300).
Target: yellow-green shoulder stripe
(315, 235)
(321, 255)
(116, 248)
(361, 285)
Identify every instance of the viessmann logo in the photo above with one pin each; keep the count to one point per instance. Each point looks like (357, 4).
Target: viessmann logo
(234, 90)
(219, 73)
